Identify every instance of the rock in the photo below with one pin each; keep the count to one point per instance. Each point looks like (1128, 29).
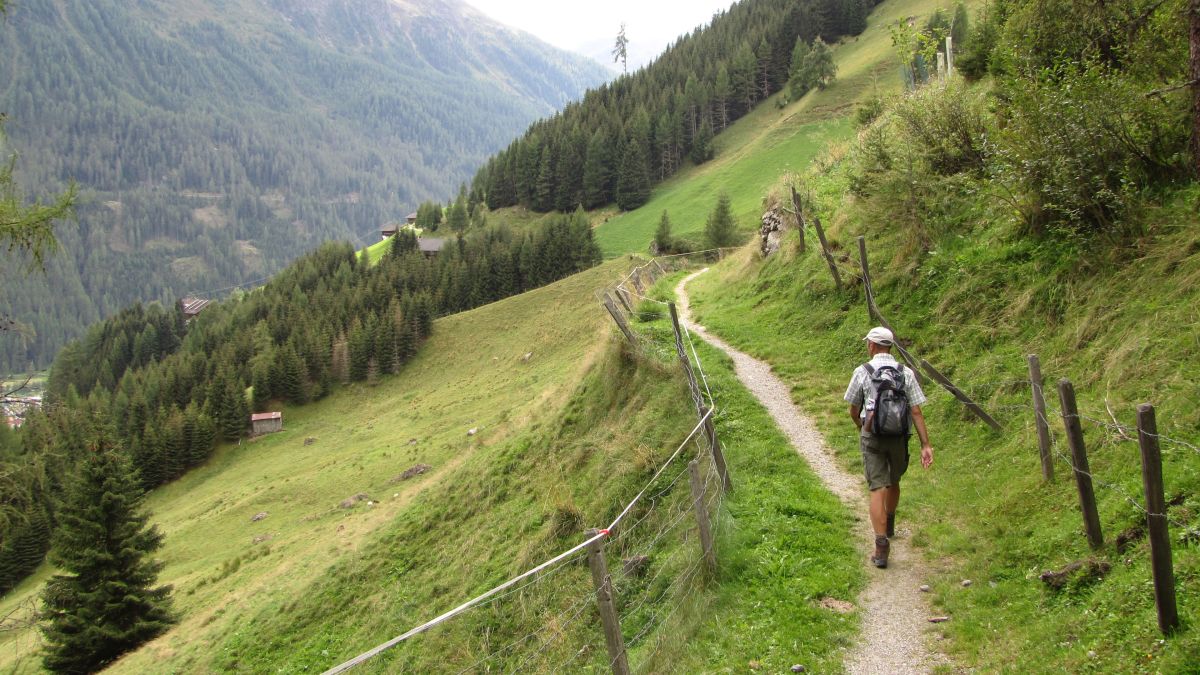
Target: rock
(755, 665)
(938, 619)
(412, 441)
(370, 503)
(412, 472)
(635, 566)
(258, 516)
(528, 355)
(1091, 654)
(310, 440)
(799, 669)
(472, 431)
(263, 538)
(350, 502)
(771, 231)
(1080, 573)
(966, 582)
(925, 588)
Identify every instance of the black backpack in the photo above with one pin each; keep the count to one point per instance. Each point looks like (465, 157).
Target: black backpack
(890, 413)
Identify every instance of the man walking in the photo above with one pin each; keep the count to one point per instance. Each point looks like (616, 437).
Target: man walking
(884, 398)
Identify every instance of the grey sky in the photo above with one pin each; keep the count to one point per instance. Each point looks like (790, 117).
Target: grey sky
(590, 27)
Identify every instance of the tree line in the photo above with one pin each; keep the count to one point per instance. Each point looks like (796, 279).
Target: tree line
(171, 390)
(625, 137)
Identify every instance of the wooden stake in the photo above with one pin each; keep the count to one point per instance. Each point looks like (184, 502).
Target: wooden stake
(1079, 463)
(616, 315)
(608, 613)
(1039, 413)
(698, 502)
(873, 313)
(1156, 520)
(693, 387)
(799, 217)
(833, 270)
(714, 448)
(958, 394)
(620, 293)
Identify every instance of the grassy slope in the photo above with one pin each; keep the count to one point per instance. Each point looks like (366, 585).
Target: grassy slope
(565, 439)
(1117, 322)
(753, 152)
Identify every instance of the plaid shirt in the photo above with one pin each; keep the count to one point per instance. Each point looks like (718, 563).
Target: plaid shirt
(856, 393)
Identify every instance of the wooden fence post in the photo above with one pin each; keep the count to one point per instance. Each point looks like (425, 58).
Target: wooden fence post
(698, 502)
(1156, 520)
(608, 613)
(714, 448)
(799, 217)
(872, 310)
(837, 278)
(958, 394)
(616, 315)
(620, 293)
(693, 388)
(637, 281)
(1039, 412)
(1079, 463)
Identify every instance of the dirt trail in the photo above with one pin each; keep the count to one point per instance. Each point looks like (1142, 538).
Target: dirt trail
(894, 611)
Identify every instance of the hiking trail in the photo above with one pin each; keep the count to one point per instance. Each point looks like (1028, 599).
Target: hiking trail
(894, 611)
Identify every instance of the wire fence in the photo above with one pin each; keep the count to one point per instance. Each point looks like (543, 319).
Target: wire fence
(660, 558)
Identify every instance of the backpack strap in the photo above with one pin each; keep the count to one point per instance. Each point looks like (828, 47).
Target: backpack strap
(869, 368)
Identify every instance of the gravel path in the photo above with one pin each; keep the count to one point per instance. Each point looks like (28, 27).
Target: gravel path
(894, 612)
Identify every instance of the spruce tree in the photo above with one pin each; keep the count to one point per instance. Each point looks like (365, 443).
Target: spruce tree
(663, 242)
(702, 150)
(720, 231)
(633, 183)
(105, 603)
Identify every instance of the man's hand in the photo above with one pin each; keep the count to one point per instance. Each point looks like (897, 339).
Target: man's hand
(926, 456)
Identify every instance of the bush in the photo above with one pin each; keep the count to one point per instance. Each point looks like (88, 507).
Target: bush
(947, 127)
(1080, 145)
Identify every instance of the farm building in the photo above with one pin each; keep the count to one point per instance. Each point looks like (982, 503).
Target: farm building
(431, 247)
(388, 230)
(411, 218)
(266, 423)
(193, 306)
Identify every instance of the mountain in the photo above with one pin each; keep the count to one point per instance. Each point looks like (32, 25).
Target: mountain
(215, 140)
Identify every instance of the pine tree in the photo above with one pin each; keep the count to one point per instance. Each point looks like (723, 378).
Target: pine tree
(720, 231)
(663, 243)
(597, 171)
(798, 83)
(633, 183)
(106, 603)
(702, 150)
(819, 68)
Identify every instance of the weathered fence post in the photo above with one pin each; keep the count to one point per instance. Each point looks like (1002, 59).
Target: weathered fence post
(1156, 520)
(620, 293)
(958, 394)
(872, 310)
(714, 447)
(837, 278)
(616, 315)
(693, 387)
(637, 281)
(1079, 463)
(608, 613)
(799, 217)
(1039, 412)
(698, 502)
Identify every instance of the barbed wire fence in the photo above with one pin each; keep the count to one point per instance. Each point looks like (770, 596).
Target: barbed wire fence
(663, 537)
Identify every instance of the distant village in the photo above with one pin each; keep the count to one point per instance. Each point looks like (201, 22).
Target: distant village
(16, 408)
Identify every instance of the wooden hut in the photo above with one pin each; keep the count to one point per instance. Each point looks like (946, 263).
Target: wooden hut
(266, 423)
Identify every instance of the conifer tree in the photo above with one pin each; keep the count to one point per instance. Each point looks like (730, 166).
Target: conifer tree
(633, 182)
(720, 231)
(597, 171)
(702, 150)
(819, 68)
(663, 242)
(106, 603)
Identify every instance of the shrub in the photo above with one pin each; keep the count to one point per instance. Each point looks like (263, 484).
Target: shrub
(947, 127)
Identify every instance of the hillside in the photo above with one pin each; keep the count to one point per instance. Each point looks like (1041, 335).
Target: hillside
(569, 427)
(213, 142)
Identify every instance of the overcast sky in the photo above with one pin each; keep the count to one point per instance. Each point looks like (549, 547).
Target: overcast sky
(590, 27)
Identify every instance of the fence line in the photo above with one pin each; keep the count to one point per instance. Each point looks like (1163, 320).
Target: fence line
(612, 533)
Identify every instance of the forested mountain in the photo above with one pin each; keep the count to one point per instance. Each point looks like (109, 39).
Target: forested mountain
(170, 390)
(214, 140)
(624, 137)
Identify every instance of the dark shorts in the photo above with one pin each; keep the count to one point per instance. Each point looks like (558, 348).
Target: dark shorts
(885, 459)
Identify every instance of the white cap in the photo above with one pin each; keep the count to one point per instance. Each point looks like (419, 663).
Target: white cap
(880, 336)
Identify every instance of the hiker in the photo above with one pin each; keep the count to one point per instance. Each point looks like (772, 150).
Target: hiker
(885, 399)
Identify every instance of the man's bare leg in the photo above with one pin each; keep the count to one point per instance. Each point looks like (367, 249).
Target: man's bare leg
(879, 509)
(893, 500)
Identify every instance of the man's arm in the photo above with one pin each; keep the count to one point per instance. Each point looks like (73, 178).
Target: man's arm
(918, 418)
(855, 412)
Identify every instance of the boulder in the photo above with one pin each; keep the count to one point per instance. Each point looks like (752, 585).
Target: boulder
(771, 232)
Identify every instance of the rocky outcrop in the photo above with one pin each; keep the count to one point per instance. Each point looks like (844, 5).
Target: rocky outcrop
(771, 231)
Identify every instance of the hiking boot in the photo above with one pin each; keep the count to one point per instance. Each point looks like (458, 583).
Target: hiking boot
(879, 558)
(891, 525)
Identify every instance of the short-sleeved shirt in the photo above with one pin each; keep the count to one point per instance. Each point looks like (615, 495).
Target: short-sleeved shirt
(856, 393)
